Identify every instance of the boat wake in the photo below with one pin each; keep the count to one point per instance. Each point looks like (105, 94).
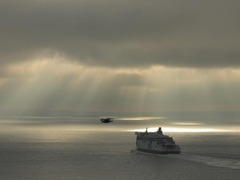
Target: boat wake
(215, 161)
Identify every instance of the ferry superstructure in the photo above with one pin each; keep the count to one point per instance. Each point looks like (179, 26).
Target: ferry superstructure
(156, 142)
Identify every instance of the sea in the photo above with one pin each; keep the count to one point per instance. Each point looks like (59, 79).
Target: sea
(81, 147)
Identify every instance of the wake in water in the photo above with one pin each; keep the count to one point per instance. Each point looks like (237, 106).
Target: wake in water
(211, 160)
(224, 162)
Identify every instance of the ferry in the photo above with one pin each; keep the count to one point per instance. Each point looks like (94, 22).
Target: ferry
(156, 142)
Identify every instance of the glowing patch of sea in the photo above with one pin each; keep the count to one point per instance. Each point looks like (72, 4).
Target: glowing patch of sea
(180, 129)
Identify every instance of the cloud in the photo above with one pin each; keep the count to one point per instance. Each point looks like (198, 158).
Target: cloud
(52, 85)
(113, 33)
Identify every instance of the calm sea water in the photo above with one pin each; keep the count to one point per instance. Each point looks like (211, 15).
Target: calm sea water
(83, 148)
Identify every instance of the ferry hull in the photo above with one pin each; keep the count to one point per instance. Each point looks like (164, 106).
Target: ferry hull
(158, 152)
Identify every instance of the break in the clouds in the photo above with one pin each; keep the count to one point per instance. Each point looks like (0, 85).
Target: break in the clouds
(122, 33)
(52, 85)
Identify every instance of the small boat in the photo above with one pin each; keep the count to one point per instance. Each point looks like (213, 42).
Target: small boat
(106, 120)
(156, 142)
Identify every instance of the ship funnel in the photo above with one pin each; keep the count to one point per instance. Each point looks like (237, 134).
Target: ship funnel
(160, 130)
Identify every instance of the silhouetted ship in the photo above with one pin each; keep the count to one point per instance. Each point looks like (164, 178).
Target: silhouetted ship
(106, 120)
(156, 142)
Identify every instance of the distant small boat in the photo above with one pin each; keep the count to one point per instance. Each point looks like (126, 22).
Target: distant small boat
(106, 120)
(156, 142)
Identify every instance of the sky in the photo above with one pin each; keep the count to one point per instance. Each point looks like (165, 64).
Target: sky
(119, 56)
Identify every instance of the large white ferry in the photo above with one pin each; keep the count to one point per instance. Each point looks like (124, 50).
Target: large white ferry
(156, 142)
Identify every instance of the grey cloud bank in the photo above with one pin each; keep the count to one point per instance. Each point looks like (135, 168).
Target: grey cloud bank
(125, 56)
(113, 33)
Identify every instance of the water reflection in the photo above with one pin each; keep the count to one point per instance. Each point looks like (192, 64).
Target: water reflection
(186, 129)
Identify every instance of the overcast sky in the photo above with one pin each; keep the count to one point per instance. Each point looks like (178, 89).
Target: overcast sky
(119, 55)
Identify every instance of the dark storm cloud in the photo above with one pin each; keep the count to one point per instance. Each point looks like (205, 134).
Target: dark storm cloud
(126, 33)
